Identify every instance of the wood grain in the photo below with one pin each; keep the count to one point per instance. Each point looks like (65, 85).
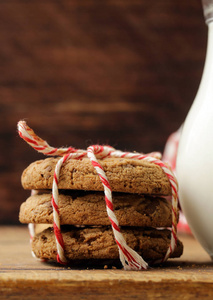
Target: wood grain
(188, 277)
(80, 72)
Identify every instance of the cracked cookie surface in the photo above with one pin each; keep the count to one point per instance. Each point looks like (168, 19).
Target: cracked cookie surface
(124, 175)
(99, 243)
(89, 208)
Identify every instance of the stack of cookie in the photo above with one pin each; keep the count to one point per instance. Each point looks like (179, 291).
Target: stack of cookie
(139, 190)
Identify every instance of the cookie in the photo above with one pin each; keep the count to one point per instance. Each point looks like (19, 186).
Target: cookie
(99, 243)
(89, 208)
(124, 175)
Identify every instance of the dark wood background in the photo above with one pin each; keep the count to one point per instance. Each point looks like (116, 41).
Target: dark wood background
(122, 73)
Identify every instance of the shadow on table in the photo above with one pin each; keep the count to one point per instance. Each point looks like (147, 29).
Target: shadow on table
(97, 264)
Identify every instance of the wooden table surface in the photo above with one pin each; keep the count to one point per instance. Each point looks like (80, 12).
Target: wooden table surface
(21, 276)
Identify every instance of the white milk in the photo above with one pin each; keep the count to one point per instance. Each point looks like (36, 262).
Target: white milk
(195, 157)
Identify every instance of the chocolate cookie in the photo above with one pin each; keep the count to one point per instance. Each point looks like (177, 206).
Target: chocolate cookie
(89, 208)
(99, 243)
(124, 175)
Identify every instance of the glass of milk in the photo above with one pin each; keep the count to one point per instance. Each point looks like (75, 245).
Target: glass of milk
(195, 152)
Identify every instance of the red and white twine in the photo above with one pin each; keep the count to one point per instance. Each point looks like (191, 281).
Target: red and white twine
(130, 259)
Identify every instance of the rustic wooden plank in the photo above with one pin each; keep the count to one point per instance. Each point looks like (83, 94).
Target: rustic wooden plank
(118, 72)
(21, 275)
